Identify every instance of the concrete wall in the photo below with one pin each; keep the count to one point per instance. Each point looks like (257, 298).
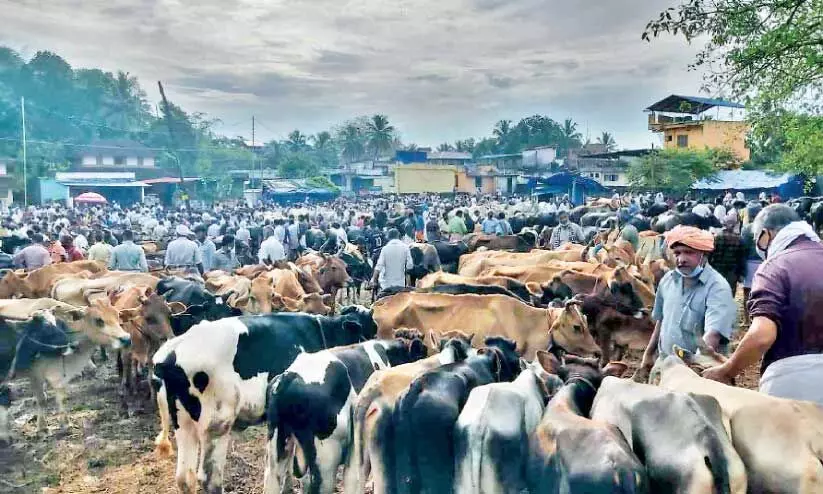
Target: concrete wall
(713, 134)
(418, 178)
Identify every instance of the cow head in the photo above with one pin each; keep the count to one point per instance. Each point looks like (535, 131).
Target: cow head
(570, 332)
(362, 317)
(332, 274)
(704, 358)
(14, 283)
(100, 322)
(314, 303)
(545, 367)
(505, 359)
(156, 316)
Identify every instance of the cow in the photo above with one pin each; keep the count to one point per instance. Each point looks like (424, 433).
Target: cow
(236, 291)
(375, 406)
(280, 290)
(779, 440)
(89, 327)
(449, 254)
(358, 268)
(463, 289)
(424, 261)
(520, 290)
(568, 452)
(488, 315)
(145, 316)
(214, 378)
(329, 271)
(616, 319)
(516, 243)
(424, 462)
(679, 437)
(491, 433)
(76, 291)
(200, 305)
(22, 344)
(479, 263)
(38, 283)
(309, 410)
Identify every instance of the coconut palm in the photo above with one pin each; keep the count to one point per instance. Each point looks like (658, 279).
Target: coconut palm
(297, 140)
(570, 138)
(445, 147)
(352, 142)
(607, 140)
(379, 135)
(321, 140)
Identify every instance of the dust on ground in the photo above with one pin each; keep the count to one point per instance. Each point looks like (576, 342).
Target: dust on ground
(107, 449)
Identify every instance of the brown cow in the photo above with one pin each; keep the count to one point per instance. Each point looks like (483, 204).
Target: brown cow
(329, 271)
(76, 291)
(474, 264)
(280, 290)
(145, 316)
(488, 315)
(496, 242)
(38, 283)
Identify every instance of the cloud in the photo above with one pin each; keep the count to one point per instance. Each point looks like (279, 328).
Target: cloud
(440, 70)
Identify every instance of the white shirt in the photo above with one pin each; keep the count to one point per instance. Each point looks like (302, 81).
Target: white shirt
(243, 234)
(271, 249)
(395, 259)
(702, 210)
(213, 231)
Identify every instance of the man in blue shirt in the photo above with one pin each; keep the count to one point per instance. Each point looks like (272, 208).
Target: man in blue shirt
(489, 226)
(693, 301)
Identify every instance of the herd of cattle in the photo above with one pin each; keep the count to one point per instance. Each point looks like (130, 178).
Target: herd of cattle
(500, 374)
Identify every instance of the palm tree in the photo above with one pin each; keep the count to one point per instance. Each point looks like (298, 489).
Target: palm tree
(502, 132)
(379, 134)
(321, 140)
(352, 142)
(445, 147)
(608, 142)
(297, 141)
(569, 136)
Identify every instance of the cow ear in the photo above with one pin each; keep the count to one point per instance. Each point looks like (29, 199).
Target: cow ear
(534, 288)
(615, 369)
(433, 339)
(176, 308)
(352, 327)
(523, 364)
(417, 349)
(548, 362)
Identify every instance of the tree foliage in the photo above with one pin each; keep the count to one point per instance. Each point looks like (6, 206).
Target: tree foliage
(771, 50)
(671, 169)
(607, 140)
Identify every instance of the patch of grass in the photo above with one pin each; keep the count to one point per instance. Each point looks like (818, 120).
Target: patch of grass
(97, 462)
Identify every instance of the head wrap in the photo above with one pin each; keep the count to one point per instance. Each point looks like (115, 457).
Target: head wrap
(692, 237)
(183, 231)
(730, 220)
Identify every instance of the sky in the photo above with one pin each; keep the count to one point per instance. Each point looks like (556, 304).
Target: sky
(440, 69)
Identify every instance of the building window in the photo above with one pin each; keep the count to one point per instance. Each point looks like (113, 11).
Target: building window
(683, 141)
(596, 175)
(478, 182)
(611, 177)
(669, 138)
(119, 160)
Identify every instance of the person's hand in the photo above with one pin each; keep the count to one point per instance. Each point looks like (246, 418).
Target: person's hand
(719, 373)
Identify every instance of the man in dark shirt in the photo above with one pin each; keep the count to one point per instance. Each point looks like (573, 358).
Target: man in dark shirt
(786, 296)
(729, 257)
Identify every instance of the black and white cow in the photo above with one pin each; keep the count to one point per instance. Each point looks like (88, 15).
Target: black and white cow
(492, 433)
(679, 437)
(201, 305)
(424, 418)
(310, 409)
(214, 378)
(21, 345)
(568, 452)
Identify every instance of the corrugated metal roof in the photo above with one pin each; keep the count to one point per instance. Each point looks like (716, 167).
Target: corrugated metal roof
(449, 155)
(103, 184)
(743, 180)
(694, 104)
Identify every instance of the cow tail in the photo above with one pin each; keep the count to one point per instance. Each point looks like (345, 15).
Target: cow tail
(406, 476)
(359, 448)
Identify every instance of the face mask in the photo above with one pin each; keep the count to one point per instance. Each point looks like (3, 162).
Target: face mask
(763, 253)
(564, 222)
(695, 272)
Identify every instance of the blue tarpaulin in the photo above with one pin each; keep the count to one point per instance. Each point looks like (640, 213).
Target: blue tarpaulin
(576, 186)
(785, 184)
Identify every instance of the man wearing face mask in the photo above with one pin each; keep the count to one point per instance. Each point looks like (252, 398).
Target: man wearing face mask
(693, 301)
(566, 231)
(784, 305)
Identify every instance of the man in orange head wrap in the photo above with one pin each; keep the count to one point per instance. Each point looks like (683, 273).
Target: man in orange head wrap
(693, 301)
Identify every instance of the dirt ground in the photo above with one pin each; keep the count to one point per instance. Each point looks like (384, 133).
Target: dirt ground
(106, 449)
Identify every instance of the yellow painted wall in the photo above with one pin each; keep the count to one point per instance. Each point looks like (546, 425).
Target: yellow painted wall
(418, 178)
(711, 134)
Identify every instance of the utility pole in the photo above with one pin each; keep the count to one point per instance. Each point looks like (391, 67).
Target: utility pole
(252, 158)
(25, 167)
(173, 141)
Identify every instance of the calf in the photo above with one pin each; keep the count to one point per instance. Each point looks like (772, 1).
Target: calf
(38, 283)
(616, 319)
(22, 344)
(780, 441)
(375, 406)
(424, 418)
(679, 437)
(568, 452)
(309, 410)
(89, 327)
(214, 378)
(491, 434)
(424, 259)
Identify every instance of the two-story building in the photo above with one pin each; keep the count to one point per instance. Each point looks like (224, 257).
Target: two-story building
(609, 169)
(692, 122)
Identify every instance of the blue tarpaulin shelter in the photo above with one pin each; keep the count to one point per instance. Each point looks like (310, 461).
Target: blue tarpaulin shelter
(785, 184)
(576, 186)
(295, 190)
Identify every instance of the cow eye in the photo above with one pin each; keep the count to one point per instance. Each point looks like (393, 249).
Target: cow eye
(151, 320)
(99, 322)
(578, 329)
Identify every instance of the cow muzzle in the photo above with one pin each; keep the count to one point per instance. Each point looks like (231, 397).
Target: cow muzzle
(122, 342)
